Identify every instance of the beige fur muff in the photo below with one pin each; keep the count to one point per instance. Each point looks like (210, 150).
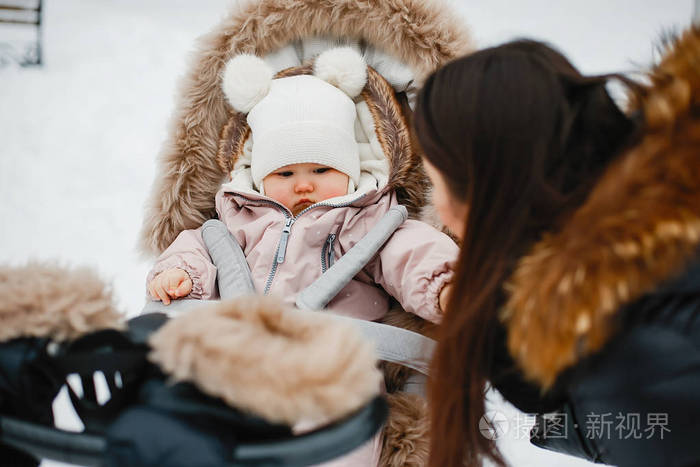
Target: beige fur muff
(253, 353)
(258, 355)
(401, 40)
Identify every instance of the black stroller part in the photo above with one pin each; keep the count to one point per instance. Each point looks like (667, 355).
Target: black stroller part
(50, 443)
(140, 328)
(143, 436)
(98, 450)
(121, 358)
(319, 445)
(123, 365)
(16, 457)
(131, 379)
(185, 401)
(146, 421)
(27, 389)
(28, 384)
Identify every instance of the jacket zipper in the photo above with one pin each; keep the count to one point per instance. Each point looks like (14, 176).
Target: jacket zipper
(327, 253)
(271, 276)
(282, 249)
(280, 253)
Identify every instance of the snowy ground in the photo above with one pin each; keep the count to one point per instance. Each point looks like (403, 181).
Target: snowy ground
(78, 136)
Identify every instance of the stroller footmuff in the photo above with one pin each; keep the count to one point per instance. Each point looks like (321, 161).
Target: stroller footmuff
(162, 407)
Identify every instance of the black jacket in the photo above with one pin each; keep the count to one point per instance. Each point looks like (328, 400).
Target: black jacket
(601, 324)
(637, 401)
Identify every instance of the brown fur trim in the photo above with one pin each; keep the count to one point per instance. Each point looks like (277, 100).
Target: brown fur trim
(406, 176)
(402, 319)
(46, 300)
(639, 228)
(675, 83)
(423, 34)
(305, 69)
(258, 355)
(233, 138)
(406, 433)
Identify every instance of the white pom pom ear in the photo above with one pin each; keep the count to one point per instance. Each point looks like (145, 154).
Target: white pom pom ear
(344, 68)
(245, 81)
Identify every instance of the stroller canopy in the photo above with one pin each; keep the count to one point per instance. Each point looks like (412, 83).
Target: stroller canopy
(402, 40)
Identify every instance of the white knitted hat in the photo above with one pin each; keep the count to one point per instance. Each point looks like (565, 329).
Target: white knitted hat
(299, 119)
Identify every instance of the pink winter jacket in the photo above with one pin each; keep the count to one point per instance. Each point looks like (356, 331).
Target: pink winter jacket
(412, 266)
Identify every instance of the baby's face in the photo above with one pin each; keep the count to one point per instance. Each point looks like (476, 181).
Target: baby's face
(298, 186)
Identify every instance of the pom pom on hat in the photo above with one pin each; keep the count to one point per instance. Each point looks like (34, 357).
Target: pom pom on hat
(245, 81)
(344, 68)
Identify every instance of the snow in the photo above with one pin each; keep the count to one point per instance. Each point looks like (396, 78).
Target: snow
(79, 135)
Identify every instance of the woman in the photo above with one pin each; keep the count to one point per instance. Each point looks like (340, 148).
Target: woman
(578, 286)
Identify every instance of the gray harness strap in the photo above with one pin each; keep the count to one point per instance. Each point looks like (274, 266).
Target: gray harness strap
(232, 271)
(317, 295)
(392, 344)
(233, 277)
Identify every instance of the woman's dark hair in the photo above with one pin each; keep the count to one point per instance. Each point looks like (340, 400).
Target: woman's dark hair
(520, 136)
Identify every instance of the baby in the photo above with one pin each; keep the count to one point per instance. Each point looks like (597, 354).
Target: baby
(302, 193)
(306, 195)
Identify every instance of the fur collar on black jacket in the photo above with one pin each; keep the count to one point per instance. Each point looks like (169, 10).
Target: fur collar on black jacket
(639, 228)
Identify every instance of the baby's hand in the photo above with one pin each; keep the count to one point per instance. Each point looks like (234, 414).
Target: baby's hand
(171, 283)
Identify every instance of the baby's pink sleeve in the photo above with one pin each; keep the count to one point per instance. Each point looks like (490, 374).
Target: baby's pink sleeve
(413, 267)
(188, 252)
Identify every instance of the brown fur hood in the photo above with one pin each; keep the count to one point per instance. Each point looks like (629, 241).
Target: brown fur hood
(420, 34)
(639, 228)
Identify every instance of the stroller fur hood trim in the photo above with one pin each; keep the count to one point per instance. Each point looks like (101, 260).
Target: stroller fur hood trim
(422, 34)
(639, 228)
